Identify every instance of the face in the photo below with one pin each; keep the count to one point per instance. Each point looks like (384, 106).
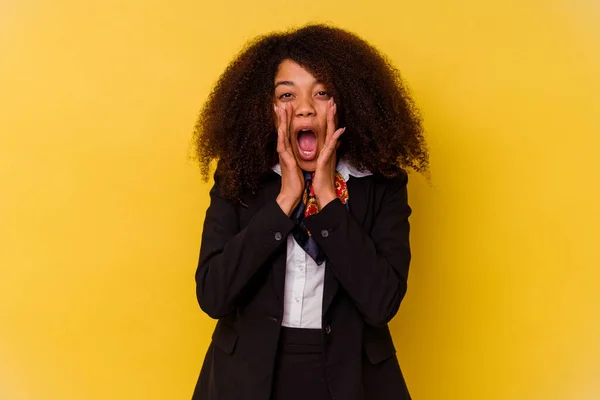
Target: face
(308, 98)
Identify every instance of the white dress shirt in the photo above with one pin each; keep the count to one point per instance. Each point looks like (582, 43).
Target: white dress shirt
(303, 294)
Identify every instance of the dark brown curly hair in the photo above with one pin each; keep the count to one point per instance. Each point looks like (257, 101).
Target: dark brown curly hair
(236, 125)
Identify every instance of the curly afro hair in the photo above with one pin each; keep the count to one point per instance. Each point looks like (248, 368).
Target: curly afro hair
(236, 125)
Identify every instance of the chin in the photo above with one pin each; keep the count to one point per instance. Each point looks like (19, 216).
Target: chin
(308, 166)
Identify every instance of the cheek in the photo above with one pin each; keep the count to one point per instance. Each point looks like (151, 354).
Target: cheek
(322, 113)
(323, 124)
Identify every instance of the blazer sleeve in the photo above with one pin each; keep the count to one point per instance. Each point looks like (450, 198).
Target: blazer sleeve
(371, 267)
(229, 256)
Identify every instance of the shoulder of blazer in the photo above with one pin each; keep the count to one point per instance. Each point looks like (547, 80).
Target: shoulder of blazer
(391, 183)
(268, 187)
(266, 180)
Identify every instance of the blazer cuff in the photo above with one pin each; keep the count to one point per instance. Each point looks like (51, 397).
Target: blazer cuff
(273, 222)
(327, 220)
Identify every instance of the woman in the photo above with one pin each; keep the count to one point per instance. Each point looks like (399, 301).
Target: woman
(305, 249)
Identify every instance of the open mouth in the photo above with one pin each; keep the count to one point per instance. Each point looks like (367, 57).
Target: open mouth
(307, 144)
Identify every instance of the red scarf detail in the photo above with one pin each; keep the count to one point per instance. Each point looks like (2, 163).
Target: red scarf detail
(341, 191)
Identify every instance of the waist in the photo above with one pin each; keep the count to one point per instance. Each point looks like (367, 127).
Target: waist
(301, 340)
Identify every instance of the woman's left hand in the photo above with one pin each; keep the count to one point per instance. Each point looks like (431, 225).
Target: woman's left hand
(323, 182)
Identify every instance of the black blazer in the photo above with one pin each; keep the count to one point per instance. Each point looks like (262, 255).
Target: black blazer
(240, 282)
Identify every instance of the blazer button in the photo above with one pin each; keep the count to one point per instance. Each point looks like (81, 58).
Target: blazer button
(324, 233)
(328, 329)
(278, 236)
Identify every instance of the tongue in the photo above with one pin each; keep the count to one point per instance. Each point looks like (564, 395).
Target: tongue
(307, 141)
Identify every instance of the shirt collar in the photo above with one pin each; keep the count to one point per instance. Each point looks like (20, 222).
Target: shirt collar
(343, 167)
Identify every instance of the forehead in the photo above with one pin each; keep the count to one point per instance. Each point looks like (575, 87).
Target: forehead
(292, 72)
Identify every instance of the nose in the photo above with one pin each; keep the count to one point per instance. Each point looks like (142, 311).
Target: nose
(304, 107)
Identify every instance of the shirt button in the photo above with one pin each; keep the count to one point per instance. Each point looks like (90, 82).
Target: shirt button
(324, 233)
(278, 236)
(328, 329)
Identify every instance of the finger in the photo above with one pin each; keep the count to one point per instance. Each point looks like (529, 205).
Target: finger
(280, 131)
(332, 142)
(288, 125)
(278, 114)
(337, 134)
(285, 126)
(330, 118)
(330, 147)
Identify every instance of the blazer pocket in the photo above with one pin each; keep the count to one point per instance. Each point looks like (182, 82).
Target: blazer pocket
(380, 350)
(225, 337)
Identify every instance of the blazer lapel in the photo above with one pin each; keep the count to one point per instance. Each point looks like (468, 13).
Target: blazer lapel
(359, 197)
(358, 194)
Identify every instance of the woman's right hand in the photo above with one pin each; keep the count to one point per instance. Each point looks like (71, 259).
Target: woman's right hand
(292, 179)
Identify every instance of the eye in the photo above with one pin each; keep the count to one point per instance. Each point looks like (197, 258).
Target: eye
(322, 93)
(285, 96)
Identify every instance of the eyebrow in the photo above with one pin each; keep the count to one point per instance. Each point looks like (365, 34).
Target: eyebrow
(286, 83)
(290, 83)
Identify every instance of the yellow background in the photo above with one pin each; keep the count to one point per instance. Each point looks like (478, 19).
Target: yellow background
(101, 208)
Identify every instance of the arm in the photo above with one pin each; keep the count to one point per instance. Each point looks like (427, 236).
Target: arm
(371, 267)
(230, 257)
